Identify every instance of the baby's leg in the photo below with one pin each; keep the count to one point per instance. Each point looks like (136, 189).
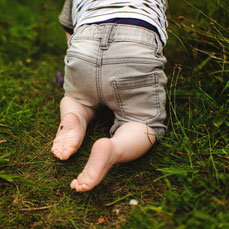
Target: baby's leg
(72, 128)
(130, 142)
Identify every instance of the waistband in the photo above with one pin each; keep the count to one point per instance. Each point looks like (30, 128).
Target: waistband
(129, 21)
(117, 32)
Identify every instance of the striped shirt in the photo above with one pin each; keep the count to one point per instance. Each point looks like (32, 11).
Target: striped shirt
(79, 12)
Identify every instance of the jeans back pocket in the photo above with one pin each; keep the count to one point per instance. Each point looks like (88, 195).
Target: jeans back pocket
(137, 97)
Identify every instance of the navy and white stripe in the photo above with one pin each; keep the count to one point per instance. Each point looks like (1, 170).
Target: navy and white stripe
(92, 11)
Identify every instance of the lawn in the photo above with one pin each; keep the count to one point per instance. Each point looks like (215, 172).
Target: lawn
(182, 182)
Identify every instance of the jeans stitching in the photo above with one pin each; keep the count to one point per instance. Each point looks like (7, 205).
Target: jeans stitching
(136, 60)
(98, 74)
(118, 97)
(155, 95)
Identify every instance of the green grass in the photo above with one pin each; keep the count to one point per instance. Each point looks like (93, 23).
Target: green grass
(182, 182)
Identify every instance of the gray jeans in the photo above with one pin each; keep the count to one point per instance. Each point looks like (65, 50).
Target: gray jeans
(121, 67)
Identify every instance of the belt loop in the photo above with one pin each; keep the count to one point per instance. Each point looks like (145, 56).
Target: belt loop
(106, 35)
(158, 45)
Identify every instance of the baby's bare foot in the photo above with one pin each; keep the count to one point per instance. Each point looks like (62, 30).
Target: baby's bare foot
(100, 161)
(69, 137)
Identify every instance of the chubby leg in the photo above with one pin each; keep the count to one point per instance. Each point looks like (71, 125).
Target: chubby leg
(130, 142)
(72, 128)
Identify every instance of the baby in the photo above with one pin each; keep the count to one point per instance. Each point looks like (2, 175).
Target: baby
(114, 59)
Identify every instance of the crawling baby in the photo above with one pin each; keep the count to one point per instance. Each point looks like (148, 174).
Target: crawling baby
(114, 59)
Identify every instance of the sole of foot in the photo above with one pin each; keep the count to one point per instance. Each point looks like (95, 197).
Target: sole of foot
(69, 137)
(100, 161)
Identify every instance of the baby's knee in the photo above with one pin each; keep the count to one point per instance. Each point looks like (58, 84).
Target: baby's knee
(102, 143)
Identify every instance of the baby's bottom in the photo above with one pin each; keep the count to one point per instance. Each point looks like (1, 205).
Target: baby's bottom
(129, 142)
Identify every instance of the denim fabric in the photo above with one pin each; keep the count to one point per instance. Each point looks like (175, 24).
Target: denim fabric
(121, 67)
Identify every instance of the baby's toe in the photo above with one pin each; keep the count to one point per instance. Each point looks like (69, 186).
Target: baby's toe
(57, 154)
(53, 149)
(74, 184)
(84, 187)
(66, 154)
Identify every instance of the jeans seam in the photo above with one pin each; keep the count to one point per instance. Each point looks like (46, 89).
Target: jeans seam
(135, 41)
(82, 57)
(156, 95)
(118, 97)
(156, 102)
(124, 60)
(98, 74)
